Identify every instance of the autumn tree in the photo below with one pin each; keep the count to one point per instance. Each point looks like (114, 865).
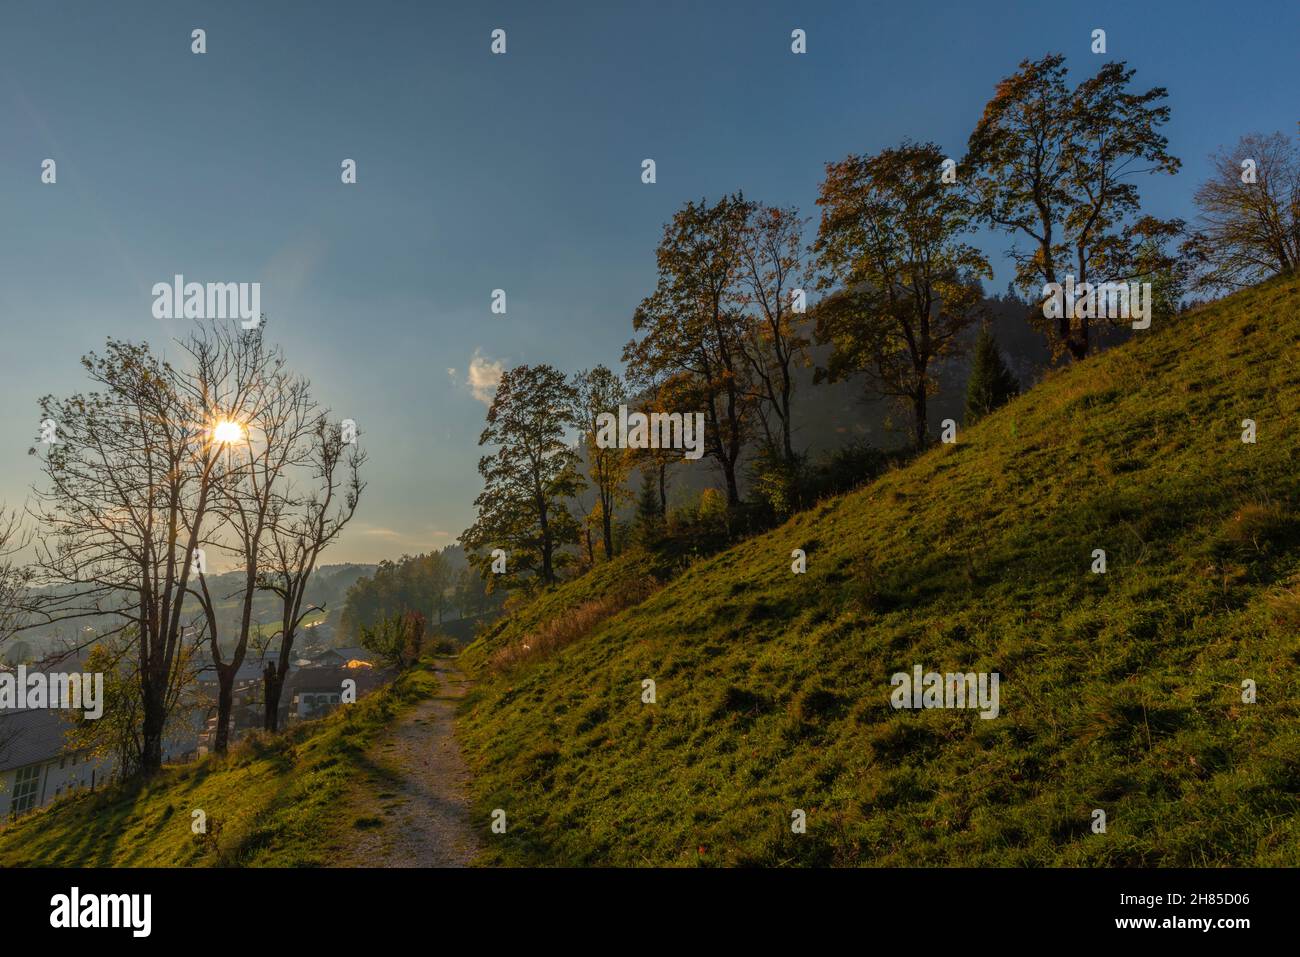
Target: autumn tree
(692, 327)
(436, 572)
(116, 734)
(1057, 166)
(471, 593)
(907, 287)
(675, 392)
(598, 391)
(529, 478)
(398, 641)
(1249, 223)
(773, 280)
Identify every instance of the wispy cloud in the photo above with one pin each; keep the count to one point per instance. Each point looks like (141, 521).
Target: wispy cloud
(378, 531)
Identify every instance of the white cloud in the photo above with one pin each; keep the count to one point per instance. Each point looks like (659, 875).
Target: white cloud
(484, 376)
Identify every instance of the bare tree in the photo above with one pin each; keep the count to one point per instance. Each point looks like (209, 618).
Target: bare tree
(772, 272)
(14, 578)
(1249, 227)
(127, 490)
(267, 414)
(304, 525)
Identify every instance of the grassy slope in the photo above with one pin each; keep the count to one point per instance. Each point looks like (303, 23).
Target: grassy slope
(604, 580)
(275, 800)
(1119, 691)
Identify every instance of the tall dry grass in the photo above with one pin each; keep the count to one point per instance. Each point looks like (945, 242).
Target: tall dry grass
(572, 625)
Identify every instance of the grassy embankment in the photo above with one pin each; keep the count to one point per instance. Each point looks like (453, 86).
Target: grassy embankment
(272, 802)
(1120, 691)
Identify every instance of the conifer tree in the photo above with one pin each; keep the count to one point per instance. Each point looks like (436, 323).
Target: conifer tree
(991, 383)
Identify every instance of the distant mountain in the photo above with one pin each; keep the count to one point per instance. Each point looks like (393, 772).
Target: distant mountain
(327, 589)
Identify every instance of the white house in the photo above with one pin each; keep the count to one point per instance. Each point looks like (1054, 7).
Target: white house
(35, 764)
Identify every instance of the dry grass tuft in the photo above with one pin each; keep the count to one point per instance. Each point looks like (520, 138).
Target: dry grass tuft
(554, 634)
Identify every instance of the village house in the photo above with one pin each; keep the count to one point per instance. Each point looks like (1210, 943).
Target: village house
(36, 766)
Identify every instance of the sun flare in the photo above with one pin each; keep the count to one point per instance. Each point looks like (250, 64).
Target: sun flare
(226, 432)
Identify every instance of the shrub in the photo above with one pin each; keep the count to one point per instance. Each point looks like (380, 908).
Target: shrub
(397, 640)
(778, 483)
(844, 469)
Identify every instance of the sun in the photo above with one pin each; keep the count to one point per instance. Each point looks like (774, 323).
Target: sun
(226, 432)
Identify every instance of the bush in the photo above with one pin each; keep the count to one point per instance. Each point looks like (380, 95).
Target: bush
(779, 484)
(397, 640)
(700, 528)
(845, 469)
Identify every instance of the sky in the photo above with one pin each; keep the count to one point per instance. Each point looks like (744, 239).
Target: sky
(477, 171)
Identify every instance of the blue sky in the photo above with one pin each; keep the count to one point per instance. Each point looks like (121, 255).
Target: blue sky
(478, 172)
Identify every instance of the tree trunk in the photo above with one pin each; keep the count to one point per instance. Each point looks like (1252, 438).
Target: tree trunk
(663, 490)
(225, 701)
(548, 575)
(272, 684)
(609, 534)
(151, 732)
(919, 410)
(733, 448)
(785, 415)
(729, 473)
(1077, 341)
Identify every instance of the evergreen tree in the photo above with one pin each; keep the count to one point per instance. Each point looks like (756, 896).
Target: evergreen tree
(991, 383)
(647, 503)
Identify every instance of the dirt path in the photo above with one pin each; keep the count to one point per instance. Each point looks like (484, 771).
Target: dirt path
(411, 810)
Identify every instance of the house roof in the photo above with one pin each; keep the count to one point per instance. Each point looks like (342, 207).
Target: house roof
(347, 654)
(28, 736)
(249, 670)
(329, 678)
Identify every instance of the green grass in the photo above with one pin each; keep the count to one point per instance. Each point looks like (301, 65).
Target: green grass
(604, 580)
(1119, 691)
(272, 802)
